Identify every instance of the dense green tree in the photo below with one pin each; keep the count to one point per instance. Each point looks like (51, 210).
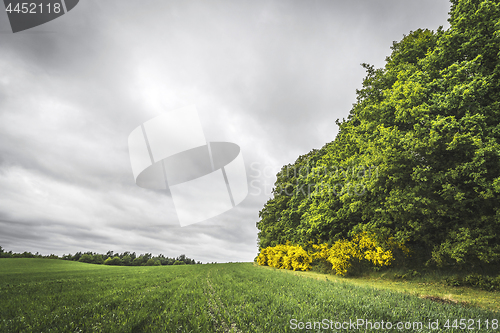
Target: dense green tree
(98, 259)
(127, 260)
(138, 261)
(418, 157)
(87, 258)
(4, 254)
(117, 261)
(77, 256)
(280, 218)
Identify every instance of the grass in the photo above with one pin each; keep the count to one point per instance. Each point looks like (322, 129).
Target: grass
(428, 286)
(41, 295)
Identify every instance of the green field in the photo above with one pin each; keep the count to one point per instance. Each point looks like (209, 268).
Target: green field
(41, 295)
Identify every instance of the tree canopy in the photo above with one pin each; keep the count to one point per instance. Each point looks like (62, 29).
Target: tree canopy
(418, 156)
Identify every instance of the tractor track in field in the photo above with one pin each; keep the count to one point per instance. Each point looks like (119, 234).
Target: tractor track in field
(214, 309)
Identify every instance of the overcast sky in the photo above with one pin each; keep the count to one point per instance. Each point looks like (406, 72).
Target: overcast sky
(270, 76)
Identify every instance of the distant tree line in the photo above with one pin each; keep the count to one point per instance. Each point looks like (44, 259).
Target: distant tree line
(110, 258)
(129, 259)
(25, 254)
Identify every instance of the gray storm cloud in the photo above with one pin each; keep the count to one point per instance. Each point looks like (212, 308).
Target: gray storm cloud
(271, 76)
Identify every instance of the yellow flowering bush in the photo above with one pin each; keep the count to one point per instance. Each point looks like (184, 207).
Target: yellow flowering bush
(275, 256)
(285, 256)
(299, 259)
(321, 251)
(370, 250)
(341, 255)
(363, 246)
(262, 257)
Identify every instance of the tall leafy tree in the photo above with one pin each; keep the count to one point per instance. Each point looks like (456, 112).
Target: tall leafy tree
(419, 152)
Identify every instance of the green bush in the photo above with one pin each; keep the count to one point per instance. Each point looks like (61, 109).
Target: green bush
(98, 259)
(137, 261)
(127, 260)
(87, 258)
(113, 261)
(476, 281)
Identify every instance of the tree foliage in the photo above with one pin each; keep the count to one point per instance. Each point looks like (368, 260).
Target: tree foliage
(116, 261)
(110, 258)
(418, 156)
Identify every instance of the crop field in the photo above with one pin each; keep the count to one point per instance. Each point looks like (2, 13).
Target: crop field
(41, 295)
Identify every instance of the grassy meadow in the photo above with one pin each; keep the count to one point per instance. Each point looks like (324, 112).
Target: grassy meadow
(42, 295)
